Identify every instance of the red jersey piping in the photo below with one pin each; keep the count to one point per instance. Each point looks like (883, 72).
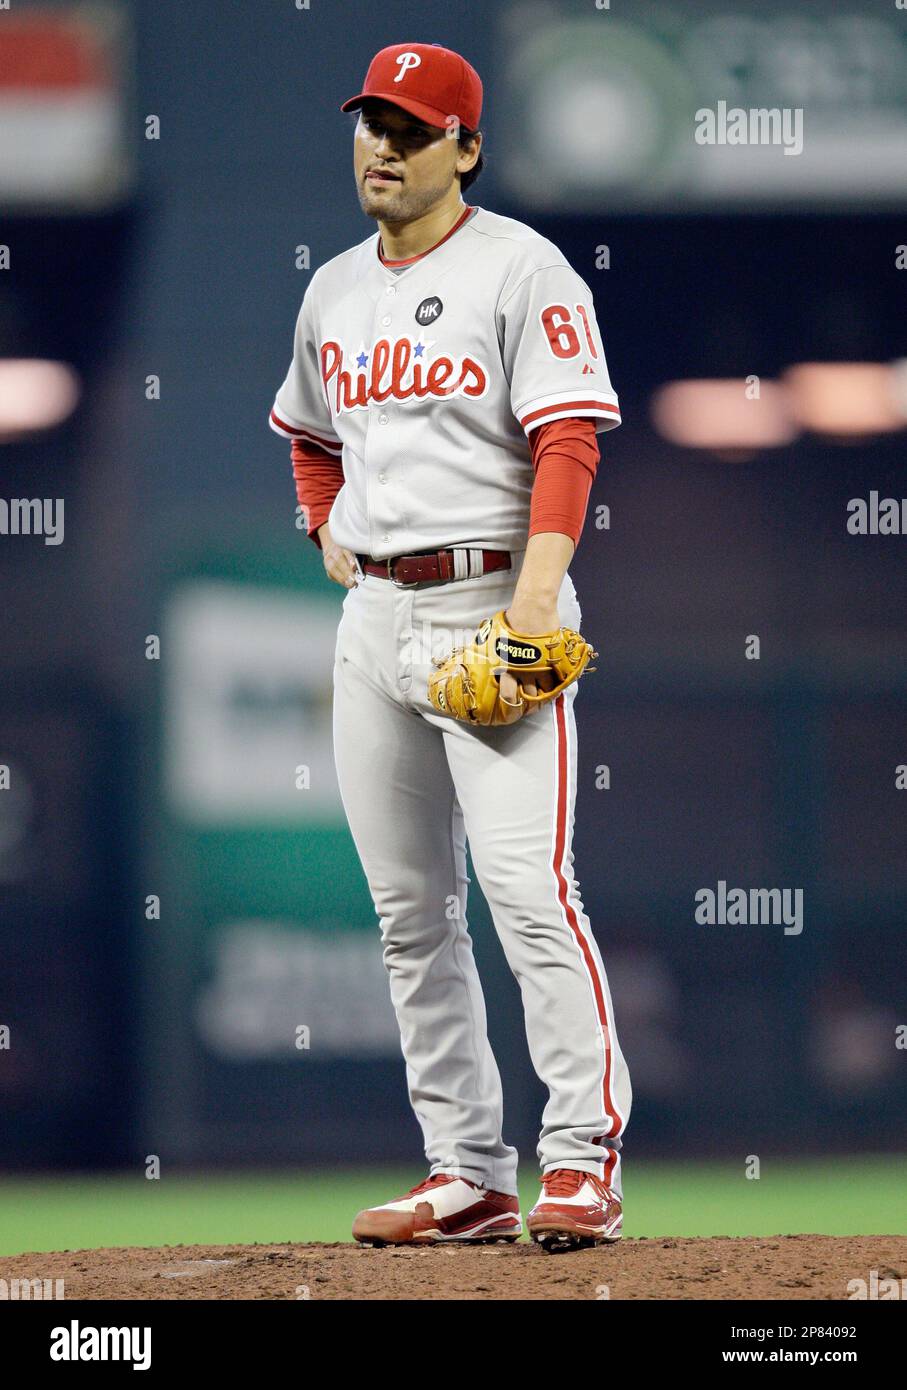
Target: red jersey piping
(412, 259)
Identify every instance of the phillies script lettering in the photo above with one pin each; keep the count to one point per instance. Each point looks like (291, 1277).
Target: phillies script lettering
(397, 370)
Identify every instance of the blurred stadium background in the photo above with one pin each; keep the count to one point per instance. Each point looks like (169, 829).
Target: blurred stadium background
(172, 907)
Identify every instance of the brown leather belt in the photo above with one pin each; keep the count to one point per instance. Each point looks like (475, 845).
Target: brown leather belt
(437, 566)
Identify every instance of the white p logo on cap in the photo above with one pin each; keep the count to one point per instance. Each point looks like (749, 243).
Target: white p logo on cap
(404, 62)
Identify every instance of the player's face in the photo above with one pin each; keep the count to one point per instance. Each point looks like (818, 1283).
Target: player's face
(403, 167)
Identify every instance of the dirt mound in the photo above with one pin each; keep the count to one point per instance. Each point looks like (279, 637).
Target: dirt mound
(779, 1267)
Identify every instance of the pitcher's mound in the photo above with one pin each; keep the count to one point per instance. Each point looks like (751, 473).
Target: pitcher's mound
(776, 1267)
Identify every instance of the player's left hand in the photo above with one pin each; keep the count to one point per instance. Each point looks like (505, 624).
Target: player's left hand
(469, 683)
(528, 617)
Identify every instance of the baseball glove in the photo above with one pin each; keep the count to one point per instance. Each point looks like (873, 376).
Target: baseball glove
(466, 686)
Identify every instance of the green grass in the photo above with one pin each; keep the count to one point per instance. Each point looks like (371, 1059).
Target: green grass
(862, 1197)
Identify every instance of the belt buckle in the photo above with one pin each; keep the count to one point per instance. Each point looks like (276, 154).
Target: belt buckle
(404, 584)
(400, 583)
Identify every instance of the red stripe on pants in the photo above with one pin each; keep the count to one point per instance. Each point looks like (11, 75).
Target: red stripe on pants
(570, 911)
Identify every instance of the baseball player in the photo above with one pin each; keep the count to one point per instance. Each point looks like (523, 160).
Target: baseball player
(447, 384)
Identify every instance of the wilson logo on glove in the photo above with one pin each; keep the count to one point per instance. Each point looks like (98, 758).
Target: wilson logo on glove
(517, 653)
(466, 684)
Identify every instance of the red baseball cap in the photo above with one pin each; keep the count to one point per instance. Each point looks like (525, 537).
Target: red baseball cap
(428, 81)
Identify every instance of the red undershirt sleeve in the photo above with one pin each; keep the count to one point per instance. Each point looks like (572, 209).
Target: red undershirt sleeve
(565, 457)
(319, 477)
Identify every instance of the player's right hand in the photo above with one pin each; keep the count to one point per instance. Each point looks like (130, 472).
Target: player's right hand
(339, 564)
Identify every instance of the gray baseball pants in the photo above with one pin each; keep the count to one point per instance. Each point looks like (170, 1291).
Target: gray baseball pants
(415, 786)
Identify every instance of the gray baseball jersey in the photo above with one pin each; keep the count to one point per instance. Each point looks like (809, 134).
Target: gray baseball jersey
(429, 381)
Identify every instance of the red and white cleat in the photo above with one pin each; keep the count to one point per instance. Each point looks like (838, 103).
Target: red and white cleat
(575, 1209)
(442, 1208)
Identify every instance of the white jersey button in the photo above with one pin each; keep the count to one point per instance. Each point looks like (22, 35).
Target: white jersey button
(392, 289)
(382, 419)
(385, 538)
(382, 477)
(385, 321)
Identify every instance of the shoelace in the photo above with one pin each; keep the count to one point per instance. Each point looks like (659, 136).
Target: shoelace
(435, 1180)
(564, 1182)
